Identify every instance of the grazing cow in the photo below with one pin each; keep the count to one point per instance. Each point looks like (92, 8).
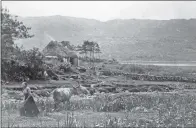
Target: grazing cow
(45, 75)
(63, 95)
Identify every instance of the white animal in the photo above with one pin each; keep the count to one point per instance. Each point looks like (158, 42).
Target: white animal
(65, 94)
(45, 74)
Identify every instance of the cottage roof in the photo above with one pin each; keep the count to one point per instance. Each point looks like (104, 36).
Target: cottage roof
(57, 49)
(72, 54)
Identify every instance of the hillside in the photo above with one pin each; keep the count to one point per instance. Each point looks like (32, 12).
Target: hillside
(133, 39)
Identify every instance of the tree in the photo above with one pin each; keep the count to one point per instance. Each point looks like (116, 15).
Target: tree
(97, 50)
(92, 51)
(79, 48)
(33, 60)
(68, 45)
(11, 29)
(83, 49)
(90, 47)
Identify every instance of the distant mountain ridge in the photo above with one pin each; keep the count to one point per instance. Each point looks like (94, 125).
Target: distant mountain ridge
(131, 39)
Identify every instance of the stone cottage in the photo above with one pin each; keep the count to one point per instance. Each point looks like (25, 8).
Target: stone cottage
(55, 52)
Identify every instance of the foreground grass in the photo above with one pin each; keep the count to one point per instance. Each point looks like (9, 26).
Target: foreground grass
(77, 119)
(172, 109)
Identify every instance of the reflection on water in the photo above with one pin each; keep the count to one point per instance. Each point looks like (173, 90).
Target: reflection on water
(158, 63)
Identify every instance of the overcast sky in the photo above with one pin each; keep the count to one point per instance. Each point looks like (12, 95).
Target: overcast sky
(105, 10)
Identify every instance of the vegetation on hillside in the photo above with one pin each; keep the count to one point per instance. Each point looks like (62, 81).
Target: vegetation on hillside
(11, 29)
(149, 40)
(18, 64)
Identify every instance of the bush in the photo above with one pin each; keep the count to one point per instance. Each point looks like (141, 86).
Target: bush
(66, 67)
(28, 64)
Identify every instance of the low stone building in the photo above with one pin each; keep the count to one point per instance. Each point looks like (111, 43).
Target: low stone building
(55, 52)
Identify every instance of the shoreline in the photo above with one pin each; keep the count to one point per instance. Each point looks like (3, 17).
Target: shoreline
(159, 63)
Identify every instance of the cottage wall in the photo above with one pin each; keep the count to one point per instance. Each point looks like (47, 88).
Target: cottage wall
(75, 61)
(52, 61)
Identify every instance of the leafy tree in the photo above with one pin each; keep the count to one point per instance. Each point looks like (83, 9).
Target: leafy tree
(80, 49)
(33, 60)
(11, 29)
(68, 45)
(83, 49)
(90, 47)
(97, 50)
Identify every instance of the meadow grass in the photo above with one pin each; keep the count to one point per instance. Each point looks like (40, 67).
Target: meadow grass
(185, 71)
(173, 109)
(151, 72)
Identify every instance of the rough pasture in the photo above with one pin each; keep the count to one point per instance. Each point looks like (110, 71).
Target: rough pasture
(150, 72)
(126, 103)
(151, 109)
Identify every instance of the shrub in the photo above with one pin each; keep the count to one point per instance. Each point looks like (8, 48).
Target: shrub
(28, 64)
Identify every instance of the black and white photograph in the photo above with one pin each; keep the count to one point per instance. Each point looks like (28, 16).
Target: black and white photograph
(98, 64)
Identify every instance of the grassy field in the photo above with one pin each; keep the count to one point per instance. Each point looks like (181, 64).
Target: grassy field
(151, 109)
(185, 71)
(176, 108)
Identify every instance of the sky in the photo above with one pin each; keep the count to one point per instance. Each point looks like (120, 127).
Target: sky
(105, 10)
